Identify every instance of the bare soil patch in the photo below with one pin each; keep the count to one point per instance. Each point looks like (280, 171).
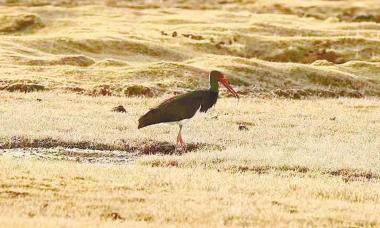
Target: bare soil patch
(23, 87)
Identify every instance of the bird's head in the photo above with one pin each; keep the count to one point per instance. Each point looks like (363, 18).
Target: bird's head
(219, 77)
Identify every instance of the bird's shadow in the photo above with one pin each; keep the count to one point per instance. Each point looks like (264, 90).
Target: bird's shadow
(160, 147)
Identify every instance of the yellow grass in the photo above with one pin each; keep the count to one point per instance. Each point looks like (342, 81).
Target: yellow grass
(311, 159)
(49, 192)
(309, 162)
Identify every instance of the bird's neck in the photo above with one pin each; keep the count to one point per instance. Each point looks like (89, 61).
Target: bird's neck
(214, 86)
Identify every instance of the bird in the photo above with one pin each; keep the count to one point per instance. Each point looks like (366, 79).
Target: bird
(180, 108)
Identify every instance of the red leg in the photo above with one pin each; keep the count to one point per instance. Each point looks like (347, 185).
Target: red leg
(178, 144)
(183, 144)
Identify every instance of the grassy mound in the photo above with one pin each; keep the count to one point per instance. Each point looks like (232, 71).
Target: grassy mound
(72, 60)
(19, 23)
(111, 63)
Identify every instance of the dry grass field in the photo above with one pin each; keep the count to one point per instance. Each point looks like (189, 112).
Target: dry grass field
(301, 147)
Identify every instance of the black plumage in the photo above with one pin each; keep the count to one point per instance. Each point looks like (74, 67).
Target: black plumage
(180, 107)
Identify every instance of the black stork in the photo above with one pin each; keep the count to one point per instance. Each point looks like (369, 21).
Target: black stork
(182, 107)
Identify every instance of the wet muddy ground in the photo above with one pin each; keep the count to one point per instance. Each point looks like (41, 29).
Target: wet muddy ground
(76, 155)
(91, 155)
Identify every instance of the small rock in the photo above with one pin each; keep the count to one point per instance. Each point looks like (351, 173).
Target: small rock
(333, 118)
(119, 108)
(243, 128)
(112, 216)
(39, 100)
(164, 33)
(219, 45)
(174, 34)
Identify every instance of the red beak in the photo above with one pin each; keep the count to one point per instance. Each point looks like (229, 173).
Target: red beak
(226, 84)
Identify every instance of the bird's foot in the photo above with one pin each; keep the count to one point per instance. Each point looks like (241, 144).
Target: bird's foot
(184, 146)
(180, 148)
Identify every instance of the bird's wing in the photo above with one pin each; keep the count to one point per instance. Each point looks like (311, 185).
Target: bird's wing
(177, 108)
(208, 101)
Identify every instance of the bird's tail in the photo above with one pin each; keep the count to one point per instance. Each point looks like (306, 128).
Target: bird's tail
(148, 118)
